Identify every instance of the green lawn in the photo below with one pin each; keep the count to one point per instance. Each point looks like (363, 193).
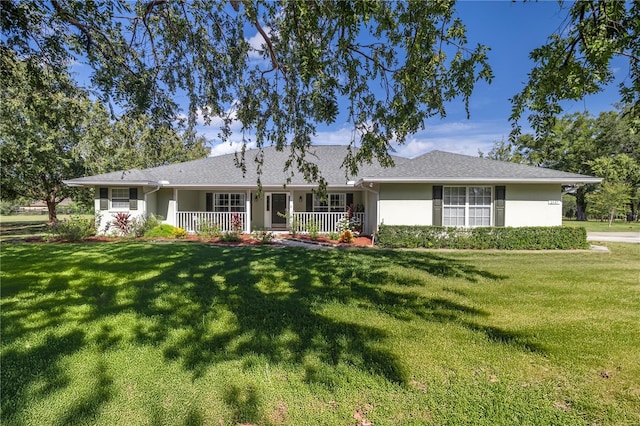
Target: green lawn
(186, 333)
(598, 226)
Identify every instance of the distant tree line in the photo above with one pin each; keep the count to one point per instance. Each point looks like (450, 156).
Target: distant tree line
(606, 146)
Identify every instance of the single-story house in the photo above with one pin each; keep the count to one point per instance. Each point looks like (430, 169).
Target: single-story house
(437, 188)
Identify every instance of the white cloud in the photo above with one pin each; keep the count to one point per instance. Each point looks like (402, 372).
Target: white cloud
(340, 136)
(257, 44)
(229, 148)
(458, 137)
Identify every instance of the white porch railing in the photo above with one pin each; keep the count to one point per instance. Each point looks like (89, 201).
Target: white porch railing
(191, 221)
(322, 221)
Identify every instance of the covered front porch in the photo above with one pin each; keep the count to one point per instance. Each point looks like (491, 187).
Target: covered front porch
(302, 222)
(246, 211)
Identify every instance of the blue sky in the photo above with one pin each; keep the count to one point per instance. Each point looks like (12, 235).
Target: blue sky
(511, 30)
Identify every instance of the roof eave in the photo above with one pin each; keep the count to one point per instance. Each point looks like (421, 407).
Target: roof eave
(88, 183)
(254, 186)
(562, 181)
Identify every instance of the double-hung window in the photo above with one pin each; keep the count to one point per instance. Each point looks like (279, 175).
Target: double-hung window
(120, 198)
(234, 202)
(335, 202)
(479, 205)
(466, 206)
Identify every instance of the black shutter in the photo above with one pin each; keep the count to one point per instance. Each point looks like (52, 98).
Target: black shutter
(349, 199)
(437, 206)
(104, 198)
(309, 202)
(498, 206)
(208, 202)
(133, 198)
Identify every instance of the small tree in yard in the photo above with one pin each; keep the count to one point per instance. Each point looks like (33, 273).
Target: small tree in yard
(612, 198)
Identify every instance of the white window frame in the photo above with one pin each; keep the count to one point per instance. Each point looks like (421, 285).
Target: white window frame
(467, 206)
(336, 202)
(125, 202)
(447, 207)
(235, 202)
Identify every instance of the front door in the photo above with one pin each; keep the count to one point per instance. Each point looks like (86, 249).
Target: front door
(278, 205)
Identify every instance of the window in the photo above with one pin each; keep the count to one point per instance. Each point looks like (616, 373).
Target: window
(480, 206)
(229, 202)
(120, 198)
(336, 202)
(454, 204)
(466, 206)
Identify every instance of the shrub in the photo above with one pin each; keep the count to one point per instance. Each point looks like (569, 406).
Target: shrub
(350, 222)
(264, 237)
(313, 228)
(236, 223)
(525, 238)
(208, 229)
(122, 223)
(163, 230)
(333, 236)
(8, 207)
(293, 221)
(75, 228)
(346, 236)
(179, 233)
(230, 237)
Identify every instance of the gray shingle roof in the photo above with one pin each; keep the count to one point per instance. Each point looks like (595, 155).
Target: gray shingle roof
(437, 166)
(121, 177)
(222, 171)
(446, 166)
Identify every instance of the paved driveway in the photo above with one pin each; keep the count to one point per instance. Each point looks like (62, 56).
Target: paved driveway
(618, 237)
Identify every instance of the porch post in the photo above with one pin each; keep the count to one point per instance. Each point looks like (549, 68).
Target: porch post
(291, 210)
(247, 212)
(175, 210)
(365, 225)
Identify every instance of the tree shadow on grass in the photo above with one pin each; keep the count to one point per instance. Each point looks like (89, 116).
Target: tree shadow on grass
(273, 293)
(22, 368)
(233, 304)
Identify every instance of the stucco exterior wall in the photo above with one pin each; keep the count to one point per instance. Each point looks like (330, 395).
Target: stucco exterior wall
(152, 203)
(257, 212)
(106, 217)
(189, 201)
(525, 204)
(533, 205)
(165, 205)
(370, 202)
(405, 204)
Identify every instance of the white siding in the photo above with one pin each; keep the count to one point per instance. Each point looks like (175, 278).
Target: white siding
(533, 205)
(405, 204)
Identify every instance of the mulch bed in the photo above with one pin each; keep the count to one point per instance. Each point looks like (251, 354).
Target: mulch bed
(245, 240)
(323, 239)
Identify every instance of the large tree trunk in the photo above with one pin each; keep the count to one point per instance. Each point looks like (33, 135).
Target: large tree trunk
(581, 204)
(51, 206)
